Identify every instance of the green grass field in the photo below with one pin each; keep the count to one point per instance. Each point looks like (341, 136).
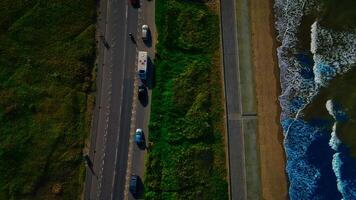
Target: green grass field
(47, 52)
(186, 158)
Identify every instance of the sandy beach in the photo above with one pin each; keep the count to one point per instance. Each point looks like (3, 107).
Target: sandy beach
(266, 75)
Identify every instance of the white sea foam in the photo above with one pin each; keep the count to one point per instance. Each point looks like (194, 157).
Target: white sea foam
(333, 54)
(344, 186)
(330, 107)
(334, 144)
(289, 14)
(336, 164)
(314, 34)
(334, 141)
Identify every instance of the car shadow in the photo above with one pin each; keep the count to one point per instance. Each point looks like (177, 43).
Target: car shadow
(150, 80)
(148, 42)
(142, 145)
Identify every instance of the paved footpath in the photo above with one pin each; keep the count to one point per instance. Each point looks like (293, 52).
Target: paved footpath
(240, 106)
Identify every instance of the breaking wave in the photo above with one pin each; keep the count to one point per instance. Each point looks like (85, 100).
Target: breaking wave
(318, 165)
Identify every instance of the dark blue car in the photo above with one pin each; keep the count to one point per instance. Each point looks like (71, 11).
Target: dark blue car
(134, 185)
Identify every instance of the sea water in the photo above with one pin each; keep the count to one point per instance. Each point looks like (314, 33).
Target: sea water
(317, 102)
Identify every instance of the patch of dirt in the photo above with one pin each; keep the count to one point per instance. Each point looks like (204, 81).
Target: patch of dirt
(266, 74)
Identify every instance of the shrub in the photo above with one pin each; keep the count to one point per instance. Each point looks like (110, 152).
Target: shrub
(186, 155)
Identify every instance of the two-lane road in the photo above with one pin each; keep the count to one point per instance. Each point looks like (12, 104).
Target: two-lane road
(112, 115)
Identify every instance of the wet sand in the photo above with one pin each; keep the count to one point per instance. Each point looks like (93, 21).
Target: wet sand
(266, 75)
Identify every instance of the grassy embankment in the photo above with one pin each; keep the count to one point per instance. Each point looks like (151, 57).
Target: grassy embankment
(186, 158)
(47, 51)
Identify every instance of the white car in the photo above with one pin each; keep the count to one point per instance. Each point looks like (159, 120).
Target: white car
(145, 31)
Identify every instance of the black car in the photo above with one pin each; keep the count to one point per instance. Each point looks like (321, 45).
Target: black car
(134, 185)
(143, 94)
(141, 91)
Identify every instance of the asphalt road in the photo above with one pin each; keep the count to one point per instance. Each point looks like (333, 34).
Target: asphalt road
(112, 115)
(141, 110)
(112, 129)
(236, 149)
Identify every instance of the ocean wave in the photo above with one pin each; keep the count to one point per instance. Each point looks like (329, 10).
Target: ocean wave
(333, 52)
(345, 171)
(343, 166)
(309, 160)
(318, 165)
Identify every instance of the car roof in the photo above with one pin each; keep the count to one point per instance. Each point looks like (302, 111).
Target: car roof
(138, 138)
(134, 177)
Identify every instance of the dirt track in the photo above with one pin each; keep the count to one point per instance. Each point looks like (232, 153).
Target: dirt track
(266, 74)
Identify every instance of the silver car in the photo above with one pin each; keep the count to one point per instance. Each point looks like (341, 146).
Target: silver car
(145, 31)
